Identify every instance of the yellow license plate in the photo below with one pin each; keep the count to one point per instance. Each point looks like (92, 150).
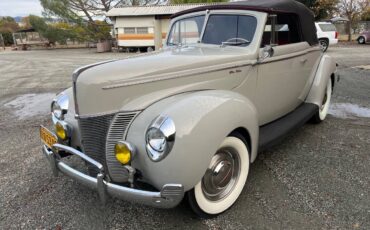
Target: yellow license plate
(47, 137)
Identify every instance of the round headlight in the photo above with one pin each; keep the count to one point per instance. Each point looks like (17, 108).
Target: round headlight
(59, 106)
(156, 139)
(160, 138)
(56, 110)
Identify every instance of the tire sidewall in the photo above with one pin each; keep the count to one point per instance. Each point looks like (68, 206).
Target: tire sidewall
(324, 111)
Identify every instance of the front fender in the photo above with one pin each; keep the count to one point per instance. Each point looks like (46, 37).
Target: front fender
(202, 119)
(326, 68)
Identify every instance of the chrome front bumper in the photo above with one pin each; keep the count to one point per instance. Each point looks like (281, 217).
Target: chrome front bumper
(169, 196)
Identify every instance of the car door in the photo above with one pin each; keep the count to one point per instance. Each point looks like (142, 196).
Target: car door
(283, 77)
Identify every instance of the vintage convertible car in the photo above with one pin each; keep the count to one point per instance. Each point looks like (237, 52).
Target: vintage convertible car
(188, 120)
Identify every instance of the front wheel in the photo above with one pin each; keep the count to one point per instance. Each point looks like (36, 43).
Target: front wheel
(224, 179)
(325, 104)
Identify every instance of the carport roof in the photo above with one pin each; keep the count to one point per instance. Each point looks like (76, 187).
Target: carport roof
(151, 10)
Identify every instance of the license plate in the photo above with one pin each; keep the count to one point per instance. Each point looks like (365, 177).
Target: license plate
(47, 137)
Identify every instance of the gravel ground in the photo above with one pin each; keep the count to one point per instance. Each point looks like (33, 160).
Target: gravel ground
(318, 178)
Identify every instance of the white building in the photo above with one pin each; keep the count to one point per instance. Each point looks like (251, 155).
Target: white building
(144, 26)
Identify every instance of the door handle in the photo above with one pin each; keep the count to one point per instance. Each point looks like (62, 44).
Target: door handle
(303, 60)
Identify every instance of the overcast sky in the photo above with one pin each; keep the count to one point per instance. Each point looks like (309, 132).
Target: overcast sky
(20, 7)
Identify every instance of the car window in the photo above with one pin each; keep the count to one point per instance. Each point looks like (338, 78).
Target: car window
(186, 31)
(327, 27)
(287, 30)
(233, 29)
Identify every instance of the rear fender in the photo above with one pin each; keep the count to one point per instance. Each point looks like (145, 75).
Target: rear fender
(203, 119)
(325, 70)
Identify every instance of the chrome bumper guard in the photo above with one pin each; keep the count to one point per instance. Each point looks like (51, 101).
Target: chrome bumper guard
(169, 196)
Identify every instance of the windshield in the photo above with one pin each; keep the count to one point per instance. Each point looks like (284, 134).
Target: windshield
(186, 31)
(234, 30)
(230, 30)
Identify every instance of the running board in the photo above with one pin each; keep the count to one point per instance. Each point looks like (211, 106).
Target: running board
(272, 133)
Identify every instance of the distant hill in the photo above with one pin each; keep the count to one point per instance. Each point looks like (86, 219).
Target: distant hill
(18, 18)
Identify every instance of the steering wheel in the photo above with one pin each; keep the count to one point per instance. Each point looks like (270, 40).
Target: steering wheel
(236, 43)
(236, 39)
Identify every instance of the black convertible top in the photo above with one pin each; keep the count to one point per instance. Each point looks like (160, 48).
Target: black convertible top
(306, 16)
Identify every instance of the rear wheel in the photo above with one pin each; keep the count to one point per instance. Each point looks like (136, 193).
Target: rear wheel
(361, 40)
(224, 179)
(324, 108)
(324, 43)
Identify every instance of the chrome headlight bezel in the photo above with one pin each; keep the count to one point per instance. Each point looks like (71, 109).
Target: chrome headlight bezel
(163, 128)
(59, 107)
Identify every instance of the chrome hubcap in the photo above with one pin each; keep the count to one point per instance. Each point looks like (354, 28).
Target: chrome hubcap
(221, 175)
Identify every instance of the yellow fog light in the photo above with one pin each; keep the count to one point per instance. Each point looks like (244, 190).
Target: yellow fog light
(61, 130)
(124, 152)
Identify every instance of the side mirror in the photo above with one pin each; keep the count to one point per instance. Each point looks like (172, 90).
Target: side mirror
(267, 51)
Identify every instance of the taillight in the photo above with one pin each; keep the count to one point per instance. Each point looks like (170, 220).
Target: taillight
(336, 35)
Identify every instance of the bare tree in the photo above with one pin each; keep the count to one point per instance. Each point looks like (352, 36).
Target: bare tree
(352, 9)
(77, 9)
(85, 12)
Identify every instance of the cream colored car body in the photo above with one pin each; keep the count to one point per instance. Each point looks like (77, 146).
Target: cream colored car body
(209, 91)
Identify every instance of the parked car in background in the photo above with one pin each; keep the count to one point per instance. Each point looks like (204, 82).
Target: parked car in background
(364, 37)
(187, 121)
(327, 34)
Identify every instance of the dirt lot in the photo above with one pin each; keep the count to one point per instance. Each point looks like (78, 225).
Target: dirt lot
(319, 177)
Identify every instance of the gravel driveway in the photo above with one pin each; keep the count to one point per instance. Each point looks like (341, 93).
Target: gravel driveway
(319, 177)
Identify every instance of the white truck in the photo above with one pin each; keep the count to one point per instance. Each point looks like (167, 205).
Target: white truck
(327, 34)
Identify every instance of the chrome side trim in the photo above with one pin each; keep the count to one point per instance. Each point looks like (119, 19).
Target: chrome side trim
(289, 56)
(169, 196)
(174, 75)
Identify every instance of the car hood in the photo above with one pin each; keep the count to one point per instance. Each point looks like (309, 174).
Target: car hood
(143, 79)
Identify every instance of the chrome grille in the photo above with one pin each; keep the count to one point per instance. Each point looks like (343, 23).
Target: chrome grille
(93, 135)
(117, 132)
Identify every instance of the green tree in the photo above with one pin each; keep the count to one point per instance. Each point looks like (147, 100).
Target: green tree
(82, 13)
(52, 33)
(26, 23)
(7, 27)
(323, 9)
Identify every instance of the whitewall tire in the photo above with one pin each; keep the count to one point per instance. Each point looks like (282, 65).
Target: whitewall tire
(324, 108)
(224, 179)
